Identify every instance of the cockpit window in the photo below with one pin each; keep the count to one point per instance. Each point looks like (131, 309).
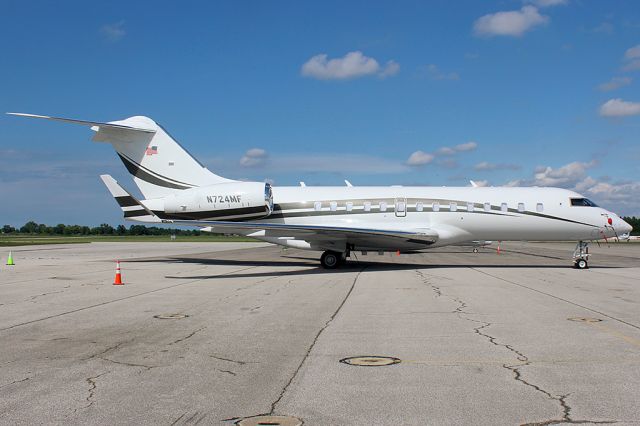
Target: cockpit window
(583, 202)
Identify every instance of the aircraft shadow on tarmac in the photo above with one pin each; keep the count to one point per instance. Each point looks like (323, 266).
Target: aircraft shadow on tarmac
(310, 266)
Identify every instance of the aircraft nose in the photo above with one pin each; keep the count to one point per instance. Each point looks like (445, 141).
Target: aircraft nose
(626, 228)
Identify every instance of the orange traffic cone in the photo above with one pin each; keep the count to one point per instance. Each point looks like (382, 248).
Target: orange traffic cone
(118, 279)
(498, 251)
(398, 253)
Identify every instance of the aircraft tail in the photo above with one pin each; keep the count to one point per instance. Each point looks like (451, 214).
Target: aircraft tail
(159, 165)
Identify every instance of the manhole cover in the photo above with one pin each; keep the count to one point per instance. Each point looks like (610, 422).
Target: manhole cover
(170, 316)
(581, 319)
(370, 361)
(270, 420)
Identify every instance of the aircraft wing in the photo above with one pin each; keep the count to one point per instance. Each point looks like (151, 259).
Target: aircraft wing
(323, 234)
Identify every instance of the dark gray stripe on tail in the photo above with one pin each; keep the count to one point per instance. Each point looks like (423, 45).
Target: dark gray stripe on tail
(137, 171)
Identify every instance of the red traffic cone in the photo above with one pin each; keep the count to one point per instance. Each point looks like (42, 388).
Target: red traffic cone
(118, 279)
(498, 251)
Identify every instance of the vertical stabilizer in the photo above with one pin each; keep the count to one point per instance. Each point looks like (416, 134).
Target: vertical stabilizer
(160, 166)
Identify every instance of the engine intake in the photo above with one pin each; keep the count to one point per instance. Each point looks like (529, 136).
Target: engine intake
(223, 201)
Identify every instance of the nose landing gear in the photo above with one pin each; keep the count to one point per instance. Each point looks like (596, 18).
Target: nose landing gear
(581, 255)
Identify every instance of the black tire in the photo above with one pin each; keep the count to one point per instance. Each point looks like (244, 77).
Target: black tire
(582, 264)
(330, 260)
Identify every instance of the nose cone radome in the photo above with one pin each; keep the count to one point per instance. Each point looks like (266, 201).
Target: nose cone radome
(626, 228)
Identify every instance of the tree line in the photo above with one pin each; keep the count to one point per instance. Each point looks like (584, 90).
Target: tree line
(34, 228)
(635, 222)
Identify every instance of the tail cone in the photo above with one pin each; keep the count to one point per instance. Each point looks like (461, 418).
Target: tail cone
(118, 279)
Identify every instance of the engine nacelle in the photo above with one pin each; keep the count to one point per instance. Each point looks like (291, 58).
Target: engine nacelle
(222, 201)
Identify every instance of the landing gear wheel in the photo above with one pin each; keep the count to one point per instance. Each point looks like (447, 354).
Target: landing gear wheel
(475, 250)
(582, 264)
(330, 259)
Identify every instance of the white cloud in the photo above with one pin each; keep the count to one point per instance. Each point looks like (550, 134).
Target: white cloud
(632, 53)
(512, 23)
(435, 73)
(566, 176)
(615, 83)
(463, 147)
(468, 146)
(446, 150)
(632, 66)
(619, 108)
(547, 3)
(253, 157)
(390, 68)
(632, 59)
(487, 166)
(420, 158)
(604, 28)
(113, 32)
(351, 65)
(620, 197)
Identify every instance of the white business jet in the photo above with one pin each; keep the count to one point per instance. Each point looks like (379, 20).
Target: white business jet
(179, 190)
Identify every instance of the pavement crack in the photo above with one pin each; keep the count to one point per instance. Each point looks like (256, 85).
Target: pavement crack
(226, 371)
(228, 360)
(190, 335)
(45, 294)
(524, 361)
(178, 419)
(313, 343)
(128, 364)
(109, 349)
(92, 390)
(15, 381)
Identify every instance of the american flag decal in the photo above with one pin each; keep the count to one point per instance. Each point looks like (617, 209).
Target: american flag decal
(151, 150)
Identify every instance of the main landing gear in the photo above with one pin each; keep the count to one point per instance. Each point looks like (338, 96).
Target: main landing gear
(581, 255)
(332, 259)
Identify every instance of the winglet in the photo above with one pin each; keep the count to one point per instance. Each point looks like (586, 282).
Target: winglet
(131, 207)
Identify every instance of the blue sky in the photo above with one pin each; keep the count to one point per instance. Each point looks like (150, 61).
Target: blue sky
(540, 92)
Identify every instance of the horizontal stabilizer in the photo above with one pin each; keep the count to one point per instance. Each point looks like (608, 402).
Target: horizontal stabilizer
(85, 123)
(131, 207)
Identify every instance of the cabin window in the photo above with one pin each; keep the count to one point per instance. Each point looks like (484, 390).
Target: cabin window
(383, 206)
(539, 208)
(582, 202)
(470, 207)
(487, 207)
(349, 206)
(317, 206)
(333, 206)
(453, 206)
(367, 206)
(401, 206)
(436, 207)
(419, 207)
(504, 208)
(521, 207)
